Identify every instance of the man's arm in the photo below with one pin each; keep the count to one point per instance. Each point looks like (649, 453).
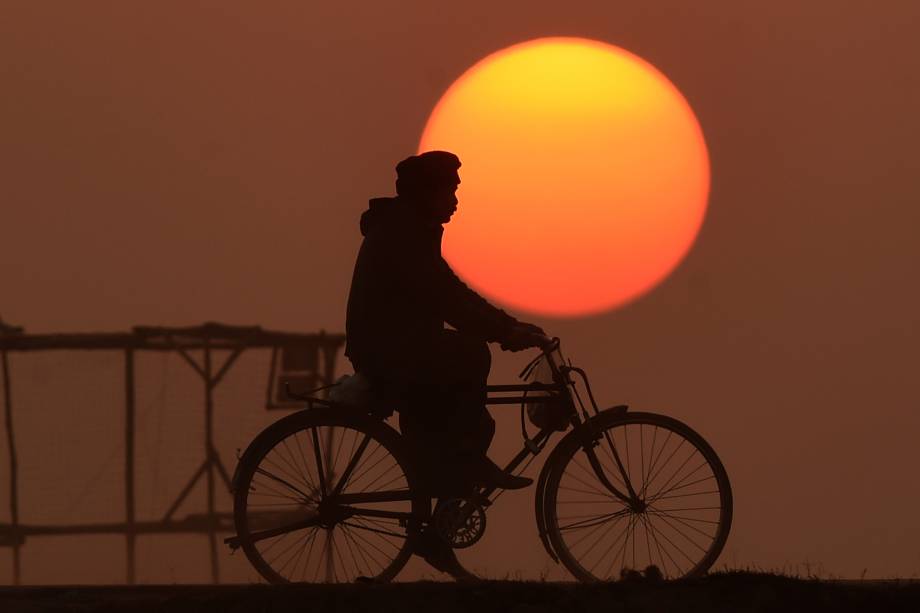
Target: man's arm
(412, 271)
(467, 311)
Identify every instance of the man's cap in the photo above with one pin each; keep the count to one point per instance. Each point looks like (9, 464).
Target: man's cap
(427, 170)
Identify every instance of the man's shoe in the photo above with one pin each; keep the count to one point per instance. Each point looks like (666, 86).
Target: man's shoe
(490, 475)
(441, 556)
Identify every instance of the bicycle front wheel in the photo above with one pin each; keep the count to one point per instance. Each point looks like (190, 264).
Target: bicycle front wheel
(323, 496)
(678, 521)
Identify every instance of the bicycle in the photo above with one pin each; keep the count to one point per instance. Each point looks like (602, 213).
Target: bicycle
(303, 511)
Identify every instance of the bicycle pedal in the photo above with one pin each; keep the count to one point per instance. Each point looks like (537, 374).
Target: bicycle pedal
(233, 542)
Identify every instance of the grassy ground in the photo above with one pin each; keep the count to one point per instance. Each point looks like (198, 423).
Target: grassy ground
(730, 592)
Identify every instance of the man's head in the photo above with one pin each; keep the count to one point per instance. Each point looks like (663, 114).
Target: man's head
(429, 181)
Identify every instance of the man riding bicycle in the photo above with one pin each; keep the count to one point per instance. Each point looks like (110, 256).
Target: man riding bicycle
(402, 294)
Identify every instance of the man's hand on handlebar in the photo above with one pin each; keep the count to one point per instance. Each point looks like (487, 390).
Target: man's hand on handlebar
(523, 336)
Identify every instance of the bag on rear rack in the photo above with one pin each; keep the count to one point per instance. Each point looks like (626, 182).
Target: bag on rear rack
(353, 391)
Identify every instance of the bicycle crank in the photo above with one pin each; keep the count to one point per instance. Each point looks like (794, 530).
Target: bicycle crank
(459, 522)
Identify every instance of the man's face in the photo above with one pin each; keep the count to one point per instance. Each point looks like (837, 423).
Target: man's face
(438, 203)
(443, 202)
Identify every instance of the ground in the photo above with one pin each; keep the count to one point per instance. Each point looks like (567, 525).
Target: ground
(730, 592)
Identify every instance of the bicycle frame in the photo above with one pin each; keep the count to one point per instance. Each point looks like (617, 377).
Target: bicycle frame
(563, 385)
(349, 495)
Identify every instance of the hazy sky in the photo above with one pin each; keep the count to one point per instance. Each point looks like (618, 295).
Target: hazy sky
(175, 162)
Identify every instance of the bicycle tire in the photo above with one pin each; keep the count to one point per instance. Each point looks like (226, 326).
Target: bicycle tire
(670, 527)
(303, 429)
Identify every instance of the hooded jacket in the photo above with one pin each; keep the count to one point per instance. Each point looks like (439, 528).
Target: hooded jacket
(403, 292)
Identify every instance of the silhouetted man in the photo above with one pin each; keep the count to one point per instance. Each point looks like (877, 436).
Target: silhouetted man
(402, 293)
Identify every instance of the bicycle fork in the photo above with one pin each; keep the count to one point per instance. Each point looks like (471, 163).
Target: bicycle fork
(630, 497)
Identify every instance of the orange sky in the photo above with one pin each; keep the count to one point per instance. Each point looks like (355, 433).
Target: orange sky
(179, 163)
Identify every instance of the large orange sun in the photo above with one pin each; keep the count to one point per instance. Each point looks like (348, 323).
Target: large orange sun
(584, 178)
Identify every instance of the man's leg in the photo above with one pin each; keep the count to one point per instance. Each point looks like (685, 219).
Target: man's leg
(447, 423)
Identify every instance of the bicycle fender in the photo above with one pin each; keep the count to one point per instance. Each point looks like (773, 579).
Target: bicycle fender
(586, 433)
(589, 430)
(590, 426)
(540, 509)
(331, 412)
(241, 456)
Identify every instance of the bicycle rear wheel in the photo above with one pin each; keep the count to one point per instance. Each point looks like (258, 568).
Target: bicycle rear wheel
(682, 514)
(324, 496)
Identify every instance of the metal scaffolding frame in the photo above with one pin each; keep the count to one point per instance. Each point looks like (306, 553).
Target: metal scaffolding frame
(206, 339)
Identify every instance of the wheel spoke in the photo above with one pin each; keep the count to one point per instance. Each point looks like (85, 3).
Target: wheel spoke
(690, 509)
(349, 541)
(355, 459)
(684, 518)
(360, 475)
(318, 458)
(338, 552)
(281, 553)
(606, 495)
(591, 533)
(610, 548)
(680, 532)
(338, 450)
(641, 456)
(291, 486)
(300, 525)
(279, 465)
(366, 553)
(683, 522)
(296, 558)
(651, 454)
(660, 468)
(377, 530)
(300, 555)
(291, 461)
(275, 543)
(381, 476)
(678, 523)
(621, 552)
(267, 489)
(304, 461)
(289, 536)
(597, 541)
(680, 468)
(686, 485)
(612, 470)
(306, 559)
(589, 485)
(707, 492)
(371, 544)
(654, 462)
(594, 520)
(648, 545)
(650, 529)
(609, 501)
(626, 438)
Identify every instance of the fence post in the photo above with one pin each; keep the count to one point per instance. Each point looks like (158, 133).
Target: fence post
(14, 469)
(130, 532)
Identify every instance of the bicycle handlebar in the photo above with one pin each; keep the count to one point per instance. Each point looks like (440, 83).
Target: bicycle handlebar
(548, 344)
